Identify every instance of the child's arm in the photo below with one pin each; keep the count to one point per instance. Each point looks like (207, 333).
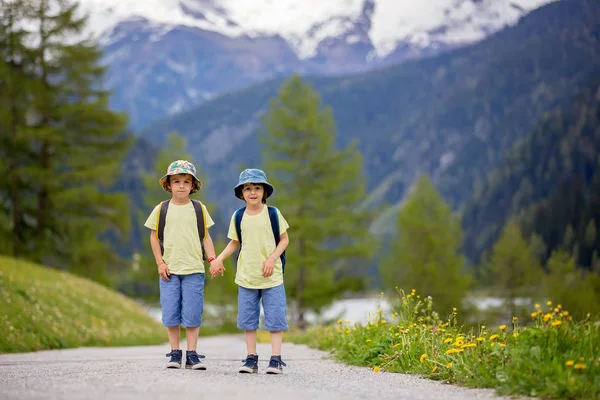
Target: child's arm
(163, 268)
(269, 265)
(209, 246)
(232, 246)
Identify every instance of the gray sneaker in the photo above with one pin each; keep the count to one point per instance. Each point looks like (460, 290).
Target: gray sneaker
(175, 361)
(250, 364)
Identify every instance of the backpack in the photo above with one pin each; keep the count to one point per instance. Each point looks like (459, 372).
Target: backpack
(273, 217)
(200, 221)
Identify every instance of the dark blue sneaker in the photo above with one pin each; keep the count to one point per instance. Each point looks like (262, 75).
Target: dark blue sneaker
(250, 364)
(192, 360)
(175, 361)
(275, 365)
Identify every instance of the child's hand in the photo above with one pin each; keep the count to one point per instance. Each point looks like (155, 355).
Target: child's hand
(216, 268)
(268, 267)
(163, 271)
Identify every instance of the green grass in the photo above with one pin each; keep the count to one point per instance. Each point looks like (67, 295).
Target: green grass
(549, 356)
(41, 308)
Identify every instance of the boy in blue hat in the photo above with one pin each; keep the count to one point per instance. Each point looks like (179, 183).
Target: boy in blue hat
(177, 233)
(259, 275)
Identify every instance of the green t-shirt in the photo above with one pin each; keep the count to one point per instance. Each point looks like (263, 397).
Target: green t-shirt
(183, 252)
(258, 244)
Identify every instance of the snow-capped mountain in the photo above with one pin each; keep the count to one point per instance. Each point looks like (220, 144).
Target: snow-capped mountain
(166, 55)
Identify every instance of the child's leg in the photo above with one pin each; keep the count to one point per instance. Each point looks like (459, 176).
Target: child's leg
(192, 307)
(251, 342)
(191, 335)
(170, 303)
(274, 303)
(276, 340)
(248, 315)
(174, 337)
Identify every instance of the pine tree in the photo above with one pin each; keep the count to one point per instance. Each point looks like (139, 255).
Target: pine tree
(513, 267)
(319, 190)
(73, 144)
(14, 79)
(425, 255)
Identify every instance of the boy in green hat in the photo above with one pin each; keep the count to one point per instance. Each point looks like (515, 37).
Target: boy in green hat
(180, 244)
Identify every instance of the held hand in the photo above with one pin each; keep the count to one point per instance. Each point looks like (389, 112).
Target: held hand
(163, 271)
(216, 268)
(268, 267)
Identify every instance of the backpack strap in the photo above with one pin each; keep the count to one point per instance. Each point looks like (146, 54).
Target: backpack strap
(274, 217)
(237, 217)
(162, 219)
(201, 223)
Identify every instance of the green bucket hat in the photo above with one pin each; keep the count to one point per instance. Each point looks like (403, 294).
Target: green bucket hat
(181, 167)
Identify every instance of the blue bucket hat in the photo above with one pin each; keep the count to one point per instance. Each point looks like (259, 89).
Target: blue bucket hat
(252, 175)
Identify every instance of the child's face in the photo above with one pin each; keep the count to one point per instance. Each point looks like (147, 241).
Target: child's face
(181, 185)
(253, 193)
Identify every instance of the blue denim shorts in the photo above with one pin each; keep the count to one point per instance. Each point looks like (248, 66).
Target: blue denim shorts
(182, 300)
(274, 304)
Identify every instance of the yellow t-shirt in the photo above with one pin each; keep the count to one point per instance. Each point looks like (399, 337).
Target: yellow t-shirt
(183, 252)
(258, 244)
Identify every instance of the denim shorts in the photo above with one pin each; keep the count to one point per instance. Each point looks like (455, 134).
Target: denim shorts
(273, 301)
(182, 300)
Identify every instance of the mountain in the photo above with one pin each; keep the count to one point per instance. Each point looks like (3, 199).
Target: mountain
(452, 116)
(168, 55)
(551, 180)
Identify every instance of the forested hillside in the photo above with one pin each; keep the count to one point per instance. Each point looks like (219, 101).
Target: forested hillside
(452, 116)
(551, 180)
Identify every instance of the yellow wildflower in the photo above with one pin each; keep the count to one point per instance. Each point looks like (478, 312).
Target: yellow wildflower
(340, 321)
(556, 323)
(569, 363)
(448, 340)
(376, 369)
(494, 336)
(502, 345)
(502, 327)
(515, 335)
(579, 366)
(449, 365)
(533, 314)
(537, 306)
(434, 368)
(464, 346)
(547, 317)
(368, 340)
(549, 303)
(480, 339)
(454, 351)
(515, 319)
(565, 313)
(423, 357)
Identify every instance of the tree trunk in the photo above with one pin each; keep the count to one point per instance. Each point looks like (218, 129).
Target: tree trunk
(43, 197)
(300, 288)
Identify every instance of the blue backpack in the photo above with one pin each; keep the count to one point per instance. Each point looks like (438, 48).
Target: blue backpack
(273, 217)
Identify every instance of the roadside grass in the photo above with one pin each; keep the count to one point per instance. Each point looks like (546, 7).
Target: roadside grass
(549, 356)
(42, 308)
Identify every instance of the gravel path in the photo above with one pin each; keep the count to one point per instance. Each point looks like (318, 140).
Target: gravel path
(139, 372)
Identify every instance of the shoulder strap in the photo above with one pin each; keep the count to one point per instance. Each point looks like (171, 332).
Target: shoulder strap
(201, 224)
(239, 214)
(237, 219)
(274, 217)
(162, 219)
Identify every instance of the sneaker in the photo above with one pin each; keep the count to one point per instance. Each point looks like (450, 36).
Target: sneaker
(192, 360)
(250, 364)
(275, 365)
(175, 361)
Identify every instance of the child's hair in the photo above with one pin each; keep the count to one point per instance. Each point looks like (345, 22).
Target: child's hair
(194, 181)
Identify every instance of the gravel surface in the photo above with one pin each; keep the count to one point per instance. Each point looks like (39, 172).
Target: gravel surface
(139, 372)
